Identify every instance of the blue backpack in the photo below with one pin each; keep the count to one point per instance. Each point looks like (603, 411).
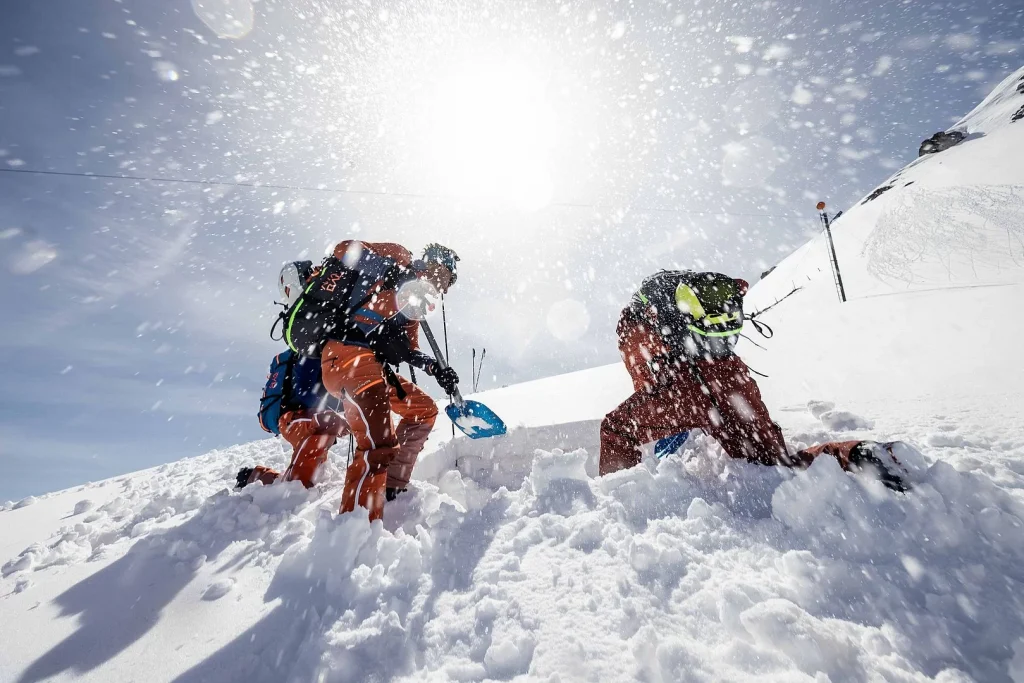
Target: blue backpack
(278, 386)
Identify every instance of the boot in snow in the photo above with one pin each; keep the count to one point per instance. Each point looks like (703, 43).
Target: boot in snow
(242, 479)
(248, 475)
(872, 455)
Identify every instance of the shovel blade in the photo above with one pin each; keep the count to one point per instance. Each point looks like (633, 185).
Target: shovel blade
(670, 444)
(476, 420)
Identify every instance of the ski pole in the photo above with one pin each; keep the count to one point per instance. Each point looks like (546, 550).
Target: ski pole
(479, 371)
(444, 330)
(447, 357)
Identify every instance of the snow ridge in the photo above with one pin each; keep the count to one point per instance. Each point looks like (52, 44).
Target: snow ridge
(696, 567)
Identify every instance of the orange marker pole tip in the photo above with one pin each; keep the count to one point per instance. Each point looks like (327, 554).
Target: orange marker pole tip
(821, 206)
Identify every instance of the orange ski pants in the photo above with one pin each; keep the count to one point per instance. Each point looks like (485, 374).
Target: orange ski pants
(311, 436)
(385, 454)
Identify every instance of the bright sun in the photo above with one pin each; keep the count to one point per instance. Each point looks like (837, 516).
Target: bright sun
(492, 132)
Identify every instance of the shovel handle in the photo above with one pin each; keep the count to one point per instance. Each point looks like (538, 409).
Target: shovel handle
(439, 357)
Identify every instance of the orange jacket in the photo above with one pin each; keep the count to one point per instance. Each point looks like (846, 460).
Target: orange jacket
(639, 344)
(383, 303)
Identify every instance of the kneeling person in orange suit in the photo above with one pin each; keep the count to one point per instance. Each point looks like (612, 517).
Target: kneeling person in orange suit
(363, 331)
(296, 406)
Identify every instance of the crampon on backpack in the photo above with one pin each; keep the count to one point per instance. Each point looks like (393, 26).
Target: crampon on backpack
(276, 391)
(324, 310)
(700, 314)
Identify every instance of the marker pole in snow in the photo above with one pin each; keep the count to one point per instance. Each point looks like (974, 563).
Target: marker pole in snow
(832, 251)
(479, 371)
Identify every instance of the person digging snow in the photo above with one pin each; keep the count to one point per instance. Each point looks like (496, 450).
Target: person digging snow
(677, 339)
(358, 313)
(296, 407)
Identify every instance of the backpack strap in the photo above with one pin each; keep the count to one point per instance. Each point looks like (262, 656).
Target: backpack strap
(391, 378)
(291, 316)
(758, 325)
(286, 383)
(281, 317)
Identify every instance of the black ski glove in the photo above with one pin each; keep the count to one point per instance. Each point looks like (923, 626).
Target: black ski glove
(422, 361)
(447, 379)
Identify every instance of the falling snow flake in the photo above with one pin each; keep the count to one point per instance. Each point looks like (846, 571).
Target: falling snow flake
(801, 95)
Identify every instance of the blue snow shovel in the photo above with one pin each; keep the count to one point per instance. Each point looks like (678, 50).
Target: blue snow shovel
(473, 418)
(670, 444)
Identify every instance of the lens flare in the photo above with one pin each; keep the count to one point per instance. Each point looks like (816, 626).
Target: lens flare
(568, 320)
(417, 299)
(226, 18)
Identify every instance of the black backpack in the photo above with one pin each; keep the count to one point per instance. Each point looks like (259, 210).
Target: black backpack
(700, 315)
(324, 310)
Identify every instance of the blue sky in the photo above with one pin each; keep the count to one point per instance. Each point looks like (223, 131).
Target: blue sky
(681, 135)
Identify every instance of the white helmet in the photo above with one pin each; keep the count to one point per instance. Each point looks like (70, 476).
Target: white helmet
(293, 279)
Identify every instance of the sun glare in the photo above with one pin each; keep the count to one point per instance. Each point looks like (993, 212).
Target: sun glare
(492, 131)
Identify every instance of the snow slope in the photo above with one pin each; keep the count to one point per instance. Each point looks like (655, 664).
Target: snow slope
(509, 560)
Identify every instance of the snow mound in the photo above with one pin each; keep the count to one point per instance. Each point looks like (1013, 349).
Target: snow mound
(694, 567)
(83, 506)
(24, 502)
(844, 420)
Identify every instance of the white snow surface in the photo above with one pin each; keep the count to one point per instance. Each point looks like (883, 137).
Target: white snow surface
(509, 559)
